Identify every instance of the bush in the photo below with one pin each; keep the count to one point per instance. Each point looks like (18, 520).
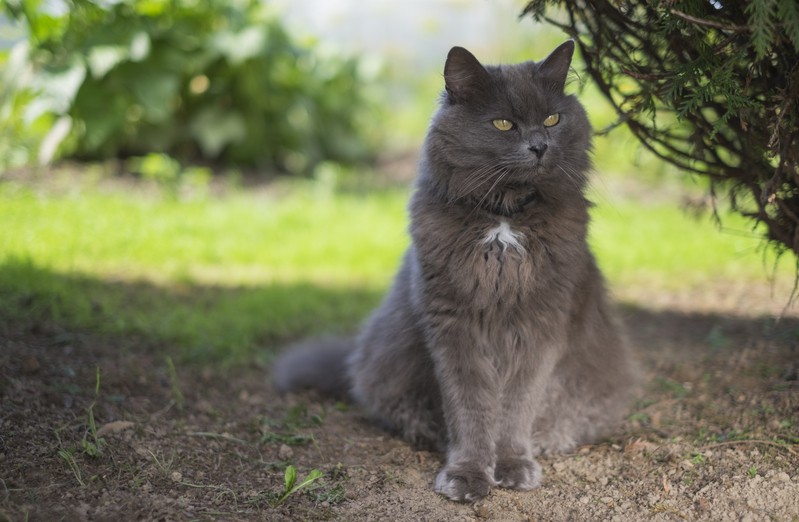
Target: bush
(709, 86)
(210, 80)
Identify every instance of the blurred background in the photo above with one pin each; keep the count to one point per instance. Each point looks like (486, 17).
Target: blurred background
(220, 177)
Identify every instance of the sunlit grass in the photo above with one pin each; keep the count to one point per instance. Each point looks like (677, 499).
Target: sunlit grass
(241, 239)
(661, 247)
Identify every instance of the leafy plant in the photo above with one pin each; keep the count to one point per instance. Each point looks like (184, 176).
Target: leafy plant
(711, 87)
(698, 458)
(212, 80)
(291, 485)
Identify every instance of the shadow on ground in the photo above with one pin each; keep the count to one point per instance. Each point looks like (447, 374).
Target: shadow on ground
(204, 440)
(187, 320)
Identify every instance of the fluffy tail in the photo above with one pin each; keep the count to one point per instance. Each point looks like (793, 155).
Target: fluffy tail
(320, 364)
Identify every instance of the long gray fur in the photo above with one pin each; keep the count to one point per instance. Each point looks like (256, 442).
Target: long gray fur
(497, 341)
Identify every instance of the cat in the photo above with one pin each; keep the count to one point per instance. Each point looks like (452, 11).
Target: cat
(497, 341)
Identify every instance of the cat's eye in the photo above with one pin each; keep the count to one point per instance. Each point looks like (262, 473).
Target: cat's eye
(552, 120)
(503, 125)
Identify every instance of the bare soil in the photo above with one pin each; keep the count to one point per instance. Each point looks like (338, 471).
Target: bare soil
(714, 435)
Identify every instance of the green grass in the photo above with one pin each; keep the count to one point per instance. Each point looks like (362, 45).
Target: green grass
(659, 246)
(324, 238)
(217, 278)
(224, 278)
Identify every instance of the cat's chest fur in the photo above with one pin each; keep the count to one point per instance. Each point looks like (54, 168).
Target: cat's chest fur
(502, 239)
(501, 263)
(487, 263)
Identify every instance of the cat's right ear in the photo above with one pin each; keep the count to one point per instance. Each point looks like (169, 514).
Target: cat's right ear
(464, 76)
(555, 67)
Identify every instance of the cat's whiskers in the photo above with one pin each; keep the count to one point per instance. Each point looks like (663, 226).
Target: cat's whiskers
(476, 178)
(573, 177)
(480, 176)
(503, 175)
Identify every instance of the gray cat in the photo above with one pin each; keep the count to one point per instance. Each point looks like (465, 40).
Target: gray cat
(496, 341)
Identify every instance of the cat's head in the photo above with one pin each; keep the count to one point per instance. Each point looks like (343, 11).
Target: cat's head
(509, 127)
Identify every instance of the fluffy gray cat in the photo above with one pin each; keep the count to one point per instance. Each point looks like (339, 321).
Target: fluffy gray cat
(496, 341)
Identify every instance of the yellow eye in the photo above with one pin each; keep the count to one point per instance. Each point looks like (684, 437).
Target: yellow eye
(552, 120)
(503, 125)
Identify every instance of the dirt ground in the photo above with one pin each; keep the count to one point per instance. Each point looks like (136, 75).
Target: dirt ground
(714, 436)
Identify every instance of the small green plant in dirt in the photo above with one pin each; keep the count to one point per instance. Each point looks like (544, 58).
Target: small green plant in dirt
(292, 485)
(640, 417)
(164, 464)
(752, 471)
(68, 456)
(91, 444)
(174, 385)
(671, 387)
(285, 430)
(698, 459)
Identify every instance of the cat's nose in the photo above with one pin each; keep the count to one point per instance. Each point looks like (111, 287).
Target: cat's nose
(538, 149)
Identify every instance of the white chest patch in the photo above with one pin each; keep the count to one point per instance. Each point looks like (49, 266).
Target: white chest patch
(506, 237)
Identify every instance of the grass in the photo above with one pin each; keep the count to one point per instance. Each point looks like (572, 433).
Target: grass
(227, 277)
(660, 246)
(242, 239)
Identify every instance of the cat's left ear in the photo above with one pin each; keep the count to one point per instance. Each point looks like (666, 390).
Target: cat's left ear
(464, 76)
(556, 66)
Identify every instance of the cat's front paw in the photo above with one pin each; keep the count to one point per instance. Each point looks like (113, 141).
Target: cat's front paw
(464, 483)
(518, 473)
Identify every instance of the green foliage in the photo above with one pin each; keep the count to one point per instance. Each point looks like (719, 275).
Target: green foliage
(211, 80)
(761, 18)
(771, 21)
(92, 444)
(291, 485)
(788, 16)
(712, 87)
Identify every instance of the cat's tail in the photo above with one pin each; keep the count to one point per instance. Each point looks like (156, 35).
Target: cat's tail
(320, 364)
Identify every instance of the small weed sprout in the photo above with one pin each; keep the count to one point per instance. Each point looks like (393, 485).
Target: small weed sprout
(291, 486)
(698, 459)
(93, 447)
(91, 444)
(163, 464)
(174, 385)
(69, 458)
